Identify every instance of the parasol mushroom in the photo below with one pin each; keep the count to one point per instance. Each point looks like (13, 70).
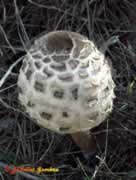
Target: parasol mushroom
(65, 84)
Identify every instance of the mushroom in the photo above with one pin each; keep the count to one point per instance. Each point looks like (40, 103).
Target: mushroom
(65, 84)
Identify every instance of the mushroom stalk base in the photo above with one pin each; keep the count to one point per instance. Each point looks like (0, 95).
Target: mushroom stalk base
(85, 141)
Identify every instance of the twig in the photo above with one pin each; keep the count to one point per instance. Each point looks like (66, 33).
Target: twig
(3, 32)
(20, 26)
(9, 71)
(106, 144)
(55, 8)
(81, 166)
(8, 106)
(109, 42)
(45, 6)
(102, 162)
(98, 167)
(89, 19)
(4, 11)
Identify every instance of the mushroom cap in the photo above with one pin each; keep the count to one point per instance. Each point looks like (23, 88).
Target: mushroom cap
(65, 83)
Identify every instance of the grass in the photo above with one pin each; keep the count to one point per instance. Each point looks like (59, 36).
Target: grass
(24, 143)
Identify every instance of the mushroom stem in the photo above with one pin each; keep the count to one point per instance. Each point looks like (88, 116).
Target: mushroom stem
(85, 141)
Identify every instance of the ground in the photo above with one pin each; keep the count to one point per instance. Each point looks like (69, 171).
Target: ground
(111, 24)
